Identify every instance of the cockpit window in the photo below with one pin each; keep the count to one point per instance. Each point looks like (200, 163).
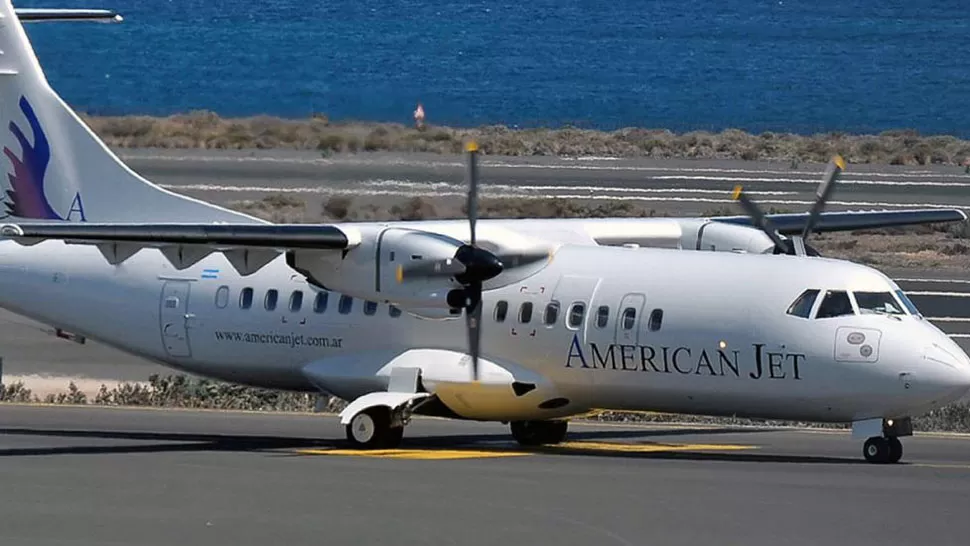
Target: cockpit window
(882, 303)
(835, 304)
(910, 306)
(802, 307)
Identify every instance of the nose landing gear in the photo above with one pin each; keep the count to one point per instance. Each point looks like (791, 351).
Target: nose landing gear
(883, 450)
(883, 445)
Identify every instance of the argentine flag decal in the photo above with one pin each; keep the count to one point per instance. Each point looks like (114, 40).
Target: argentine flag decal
(210, 273)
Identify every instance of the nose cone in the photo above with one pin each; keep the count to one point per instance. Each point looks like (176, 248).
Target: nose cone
(946, 367)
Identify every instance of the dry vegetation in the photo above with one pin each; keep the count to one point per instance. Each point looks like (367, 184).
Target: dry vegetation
(208, 130)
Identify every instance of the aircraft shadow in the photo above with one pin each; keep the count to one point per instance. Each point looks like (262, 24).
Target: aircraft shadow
(289, 446)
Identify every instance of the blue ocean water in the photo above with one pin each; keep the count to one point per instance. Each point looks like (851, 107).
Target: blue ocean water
(758, 65)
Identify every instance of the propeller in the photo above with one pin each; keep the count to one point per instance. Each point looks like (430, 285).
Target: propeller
(796, 244)
(470, 266)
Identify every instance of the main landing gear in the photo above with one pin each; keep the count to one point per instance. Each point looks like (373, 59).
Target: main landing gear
(536, 433)
(376, 420)
(374, 428)
(883, 445)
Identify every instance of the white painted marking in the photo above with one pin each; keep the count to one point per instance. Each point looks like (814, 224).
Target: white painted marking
(948, 319)
(814, 181)
(945, 294)
(948, 281)
(433, 191)
(814, 176)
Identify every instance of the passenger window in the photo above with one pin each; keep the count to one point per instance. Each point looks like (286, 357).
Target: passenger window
(246, 298)
(602, 316)
(802, 307)
(552, 313)
(370, 307)
(222, 297)
(576, 313)
(835, 304)
(501, 310)
(881, 303)
(296, 300)
(270, 301)
(656, 320)
(629, 318)
(320, 302)
(394, 311)
(345, 304)
(525, 312)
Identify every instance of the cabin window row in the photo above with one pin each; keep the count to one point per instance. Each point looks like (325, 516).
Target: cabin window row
(576, 314)
(321, 302)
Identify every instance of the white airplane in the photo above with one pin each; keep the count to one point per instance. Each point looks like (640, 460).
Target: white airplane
(529, 322)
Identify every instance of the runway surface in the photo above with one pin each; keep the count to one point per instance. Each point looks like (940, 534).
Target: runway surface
(115, 476)
(673, 186)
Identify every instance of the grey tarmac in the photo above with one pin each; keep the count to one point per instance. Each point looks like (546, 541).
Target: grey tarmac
(97, 476)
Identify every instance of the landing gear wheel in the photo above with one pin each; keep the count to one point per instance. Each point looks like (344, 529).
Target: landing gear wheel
(895, 450)
(877, 450)
(371, 429)
(535, 433)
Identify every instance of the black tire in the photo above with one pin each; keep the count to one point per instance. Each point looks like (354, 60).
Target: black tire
(876, 450)
(370, 428)
(536, 433)
(394, 437)
(555, 432)
(895, 450)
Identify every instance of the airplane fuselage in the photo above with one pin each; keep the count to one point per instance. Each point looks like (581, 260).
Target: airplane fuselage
(662, 330)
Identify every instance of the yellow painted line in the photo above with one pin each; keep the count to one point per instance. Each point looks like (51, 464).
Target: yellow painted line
(648, 447)
(930, 465)
(417, 454)
(603, 447)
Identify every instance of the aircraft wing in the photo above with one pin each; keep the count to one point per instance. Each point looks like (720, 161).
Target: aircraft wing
(44, 15)
(247, 246)
(791, 224)
(283, 236)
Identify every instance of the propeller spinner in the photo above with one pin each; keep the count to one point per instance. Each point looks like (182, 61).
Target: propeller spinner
(796, 244)
(471, 266)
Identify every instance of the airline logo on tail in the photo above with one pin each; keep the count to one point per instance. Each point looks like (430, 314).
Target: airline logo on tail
(25, 198)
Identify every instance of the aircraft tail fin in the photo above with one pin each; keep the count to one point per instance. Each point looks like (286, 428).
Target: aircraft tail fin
(57, 169)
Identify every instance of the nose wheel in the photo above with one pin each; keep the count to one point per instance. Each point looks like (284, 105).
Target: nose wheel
(883, 450)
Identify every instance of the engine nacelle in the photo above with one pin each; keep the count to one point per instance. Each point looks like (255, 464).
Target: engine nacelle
(370, 270)
(725, 237)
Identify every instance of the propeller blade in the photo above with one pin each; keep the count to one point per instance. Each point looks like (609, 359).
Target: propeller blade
(471, 173)
(758, 217)
(473, 324)
(824, 192)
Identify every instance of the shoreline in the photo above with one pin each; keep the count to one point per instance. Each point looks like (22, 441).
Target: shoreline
(207, 130)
